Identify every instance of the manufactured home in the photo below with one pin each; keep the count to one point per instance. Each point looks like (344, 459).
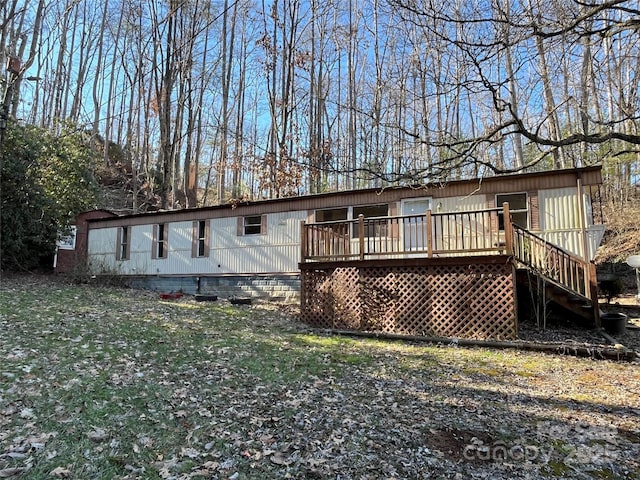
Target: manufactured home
(413, 260)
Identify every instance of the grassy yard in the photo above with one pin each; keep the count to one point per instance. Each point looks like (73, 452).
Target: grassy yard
(107, 383)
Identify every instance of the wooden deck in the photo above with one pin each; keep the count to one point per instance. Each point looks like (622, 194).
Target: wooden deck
(439, 274)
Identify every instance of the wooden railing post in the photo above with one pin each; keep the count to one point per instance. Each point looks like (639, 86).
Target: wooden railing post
(303, 241)
(593, 292)
(508, 229)
(429, 227)
(361, 235)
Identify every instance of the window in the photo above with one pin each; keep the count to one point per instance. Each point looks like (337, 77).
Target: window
(372, 228)
(200, 246)
(416, 206)
(331, 215)
(160, 240)
(252, 225)
(124, 243)
(517, 207)
(335, 215)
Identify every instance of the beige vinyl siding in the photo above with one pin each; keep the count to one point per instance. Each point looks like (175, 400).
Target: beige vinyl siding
(560, 221)
(276, 251)
(460, 204)
(559, 209)
(102, 245)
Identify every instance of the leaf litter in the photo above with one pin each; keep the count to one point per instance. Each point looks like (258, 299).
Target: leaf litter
(102, 382)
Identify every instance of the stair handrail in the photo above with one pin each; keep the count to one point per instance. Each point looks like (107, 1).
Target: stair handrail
(552, 262)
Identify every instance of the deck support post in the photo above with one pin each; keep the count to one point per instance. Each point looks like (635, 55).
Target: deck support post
(593, 291)
(585, 236)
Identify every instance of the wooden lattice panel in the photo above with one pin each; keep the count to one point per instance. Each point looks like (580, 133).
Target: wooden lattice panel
(445, 300)
(345, 299)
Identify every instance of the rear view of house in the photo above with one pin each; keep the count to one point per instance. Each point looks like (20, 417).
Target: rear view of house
(372, 259)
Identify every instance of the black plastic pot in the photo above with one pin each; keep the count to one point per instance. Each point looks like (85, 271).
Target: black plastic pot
(240, 301)
(614, 323)
(206, 298)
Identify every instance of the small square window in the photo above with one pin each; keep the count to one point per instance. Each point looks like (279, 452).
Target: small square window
(253, 225)
(517, 207)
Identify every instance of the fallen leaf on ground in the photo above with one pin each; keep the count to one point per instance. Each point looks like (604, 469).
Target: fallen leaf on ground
(97, 435)
(60, 472)
(10, 472)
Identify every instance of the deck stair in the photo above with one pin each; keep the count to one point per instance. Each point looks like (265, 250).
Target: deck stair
(567, 280)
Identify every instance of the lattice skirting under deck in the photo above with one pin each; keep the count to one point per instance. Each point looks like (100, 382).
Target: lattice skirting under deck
(466, 300)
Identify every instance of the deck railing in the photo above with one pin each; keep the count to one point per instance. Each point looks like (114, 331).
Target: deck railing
(475, 232)
(432, 234)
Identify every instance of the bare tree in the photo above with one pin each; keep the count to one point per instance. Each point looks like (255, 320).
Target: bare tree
(203, 102)
(524, 27)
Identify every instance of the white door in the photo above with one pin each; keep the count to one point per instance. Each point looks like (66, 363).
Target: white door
(414, 228)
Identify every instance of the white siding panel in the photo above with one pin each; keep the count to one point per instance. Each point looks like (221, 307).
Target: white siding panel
(277, 251)
(257, 259)
(102, 241)
(568, 240)
(559, 209)
(101, 247)
(460, 204)
(180, 237)
(140, 258)
(571, 240)
(561, 224)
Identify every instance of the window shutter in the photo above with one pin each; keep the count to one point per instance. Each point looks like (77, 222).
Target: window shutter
(240, 226)
(207, 235)
(129, 238)
(194, 240)
(263, 225)
(119, 244)
(165, 251)
(154, 242)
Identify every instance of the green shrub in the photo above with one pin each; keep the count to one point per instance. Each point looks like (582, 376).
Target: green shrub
(611, 287)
